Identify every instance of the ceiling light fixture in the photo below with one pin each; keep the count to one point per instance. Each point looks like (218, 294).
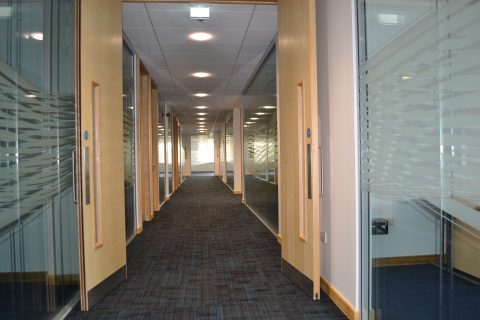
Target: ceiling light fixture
(34, 35)
(199, 12)
(249, 122)
(202, 114)
(406, 77)
(200, 36)
(254, 118)
(201, 95)
(201, 74)
(201, 107)
(269, 107)
(260, 113)
(30, 96)
(201, 119)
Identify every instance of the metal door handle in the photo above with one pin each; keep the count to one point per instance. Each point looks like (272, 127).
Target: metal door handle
(309, 171)
(74, 175)
(320, 156)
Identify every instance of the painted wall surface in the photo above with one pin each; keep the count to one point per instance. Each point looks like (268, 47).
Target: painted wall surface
(101, 61)
(338, 121)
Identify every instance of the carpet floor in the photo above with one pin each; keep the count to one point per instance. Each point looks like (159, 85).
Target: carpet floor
(206, 256)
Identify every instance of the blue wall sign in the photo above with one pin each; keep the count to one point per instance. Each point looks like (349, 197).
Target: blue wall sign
(309, 132)
(85, 135)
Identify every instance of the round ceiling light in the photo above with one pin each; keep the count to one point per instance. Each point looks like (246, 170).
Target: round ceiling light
(200, 36)
(201, 95)
(201, 107)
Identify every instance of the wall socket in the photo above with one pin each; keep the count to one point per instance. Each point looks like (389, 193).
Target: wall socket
(323, 236)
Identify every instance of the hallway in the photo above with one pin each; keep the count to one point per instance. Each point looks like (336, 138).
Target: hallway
(206, 256)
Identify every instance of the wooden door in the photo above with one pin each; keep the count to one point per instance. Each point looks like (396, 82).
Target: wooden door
(299, 193)
(102, 237)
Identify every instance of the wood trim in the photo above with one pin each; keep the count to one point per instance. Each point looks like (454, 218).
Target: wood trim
(279, 239)
(103, 288)
(405, 261)
(340, 301)
(210, 1)
(237, 192)
(139, 229)
(97, 167)
(302, 281)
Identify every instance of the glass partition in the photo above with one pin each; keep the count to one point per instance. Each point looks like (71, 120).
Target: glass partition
(420, 154)
(39, 264)
(161, 148)
(229, 151)
(129, 138)
(260, 143)
(202, 154)
(169, 148)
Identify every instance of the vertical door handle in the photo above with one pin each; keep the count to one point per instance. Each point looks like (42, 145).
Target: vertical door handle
(320, 155)
(74, 175)
(309, 171)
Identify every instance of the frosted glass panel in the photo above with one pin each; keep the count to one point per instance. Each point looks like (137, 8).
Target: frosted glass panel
(260, 143)
(161, 148)
(420, 153)
(38, 217)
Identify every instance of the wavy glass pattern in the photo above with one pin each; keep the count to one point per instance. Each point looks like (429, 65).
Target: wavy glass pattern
(129, 108)
(38, 217)
(420, 154)
(260, 143)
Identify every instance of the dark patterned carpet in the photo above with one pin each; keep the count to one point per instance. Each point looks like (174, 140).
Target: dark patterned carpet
(205, 256)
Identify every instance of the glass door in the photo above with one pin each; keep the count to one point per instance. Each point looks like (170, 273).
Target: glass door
(420, 150)
(39, 260)
(129, 138)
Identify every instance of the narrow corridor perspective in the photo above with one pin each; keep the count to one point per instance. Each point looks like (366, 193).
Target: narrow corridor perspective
(206, 256)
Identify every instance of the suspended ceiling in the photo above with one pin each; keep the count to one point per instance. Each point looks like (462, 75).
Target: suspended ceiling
(159, 33)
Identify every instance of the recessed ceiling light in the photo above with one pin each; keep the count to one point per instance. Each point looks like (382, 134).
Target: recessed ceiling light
(201, 107)
(201, 94)
(269, 107)
(260, 113)
(201, 74)
(254, 118)
(249, 122)
(202, 114)
(407, 77)
(201, 36)
(201, 126)
(201, 122)
(30, 96)
(201, 119)
(131, 107)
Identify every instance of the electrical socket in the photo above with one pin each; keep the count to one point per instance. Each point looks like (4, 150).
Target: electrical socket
(323, 236)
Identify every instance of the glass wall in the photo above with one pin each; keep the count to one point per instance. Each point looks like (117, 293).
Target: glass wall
(229, 151)
(161, 148)
(39, 263)
(260, 143)
(202, 154)
(169, 146)
(420, 156)
(129, 138)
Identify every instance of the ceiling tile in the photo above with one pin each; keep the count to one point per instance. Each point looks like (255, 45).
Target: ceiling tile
(136, 19)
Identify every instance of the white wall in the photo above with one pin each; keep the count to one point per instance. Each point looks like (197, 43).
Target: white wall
(340, 258)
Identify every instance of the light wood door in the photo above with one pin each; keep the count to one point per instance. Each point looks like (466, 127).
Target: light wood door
(102, 238)
(299, 149)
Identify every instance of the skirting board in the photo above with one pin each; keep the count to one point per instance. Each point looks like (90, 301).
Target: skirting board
(346, 307)
(139, 229)
(103, 288)
(405, 261)
(302, 281)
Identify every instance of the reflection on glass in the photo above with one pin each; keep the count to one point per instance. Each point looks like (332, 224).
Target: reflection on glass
(161, 148)
(129, 138)
(202, 153)
(420, 156)
(260, 143)
(38, 218)
(229, 151)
